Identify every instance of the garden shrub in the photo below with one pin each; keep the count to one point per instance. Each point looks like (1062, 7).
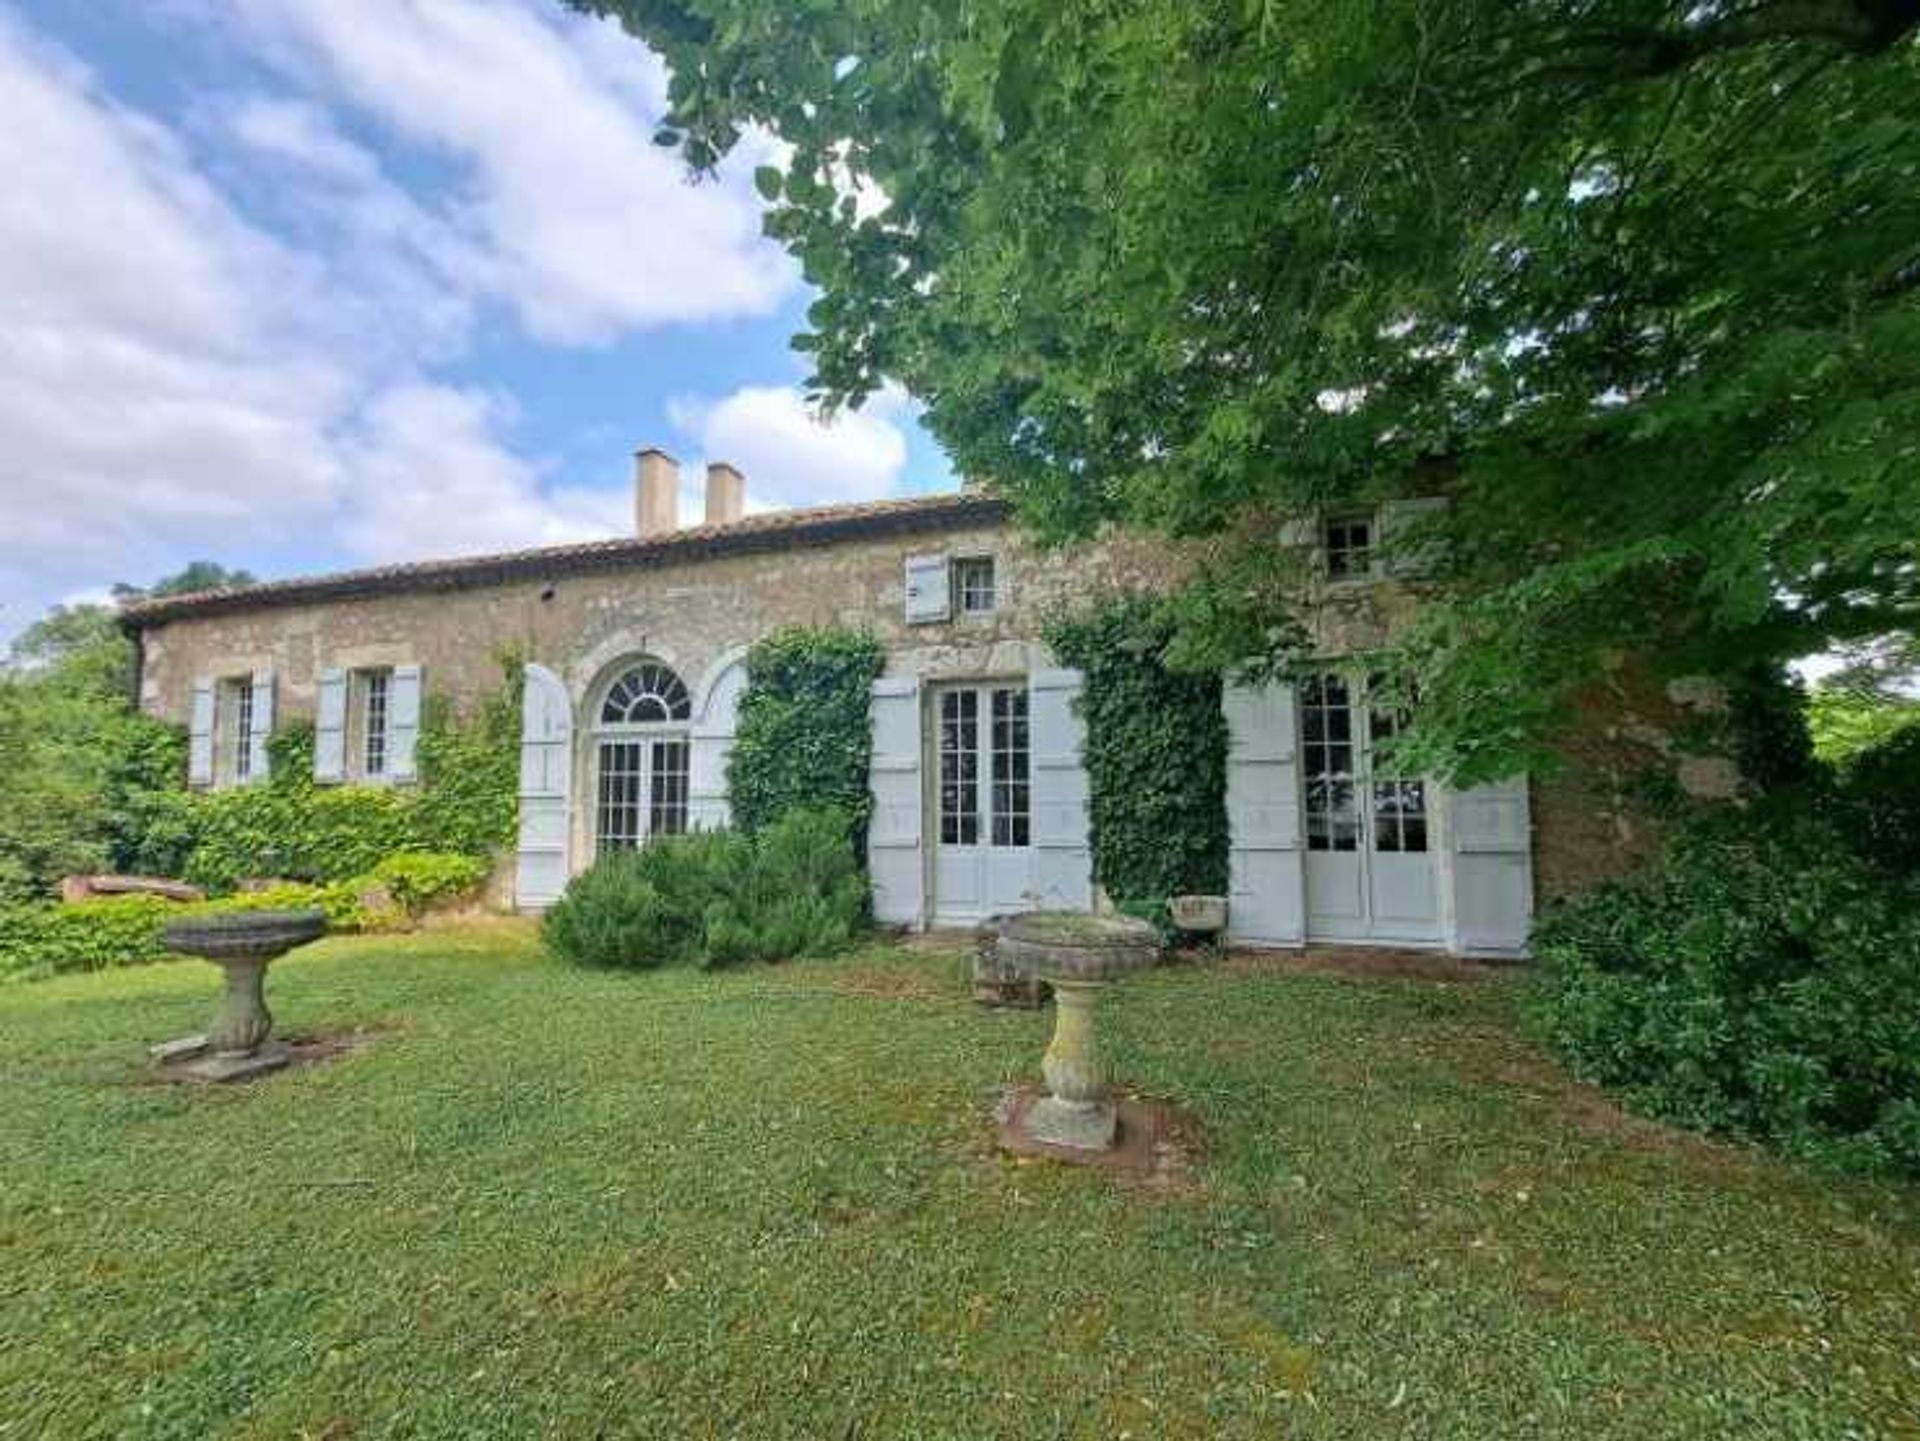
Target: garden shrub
(1760, 980)
(42, 940)
(1156, 758)
(1878, 792)
(805, 736)
(717, 898)
(419, 880)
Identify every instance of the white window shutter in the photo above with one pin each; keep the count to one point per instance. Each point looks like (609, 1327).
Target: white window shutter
(200, 735)
(330, 728)
(895, 858)
(1407, 555)
(258, 762)
(1266, 901)
(1062, 851)
(542, 860)
(710, 749)
(403, 723)
(929, 589)
(1492, 831)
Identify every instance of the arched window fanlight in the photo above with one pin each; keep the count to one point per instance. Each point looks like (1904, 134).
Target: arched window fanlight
(647, 694)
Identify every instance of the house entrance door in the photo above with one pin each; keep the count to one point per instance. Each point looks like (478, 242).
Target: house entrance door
(1370, 850)
(982, 814)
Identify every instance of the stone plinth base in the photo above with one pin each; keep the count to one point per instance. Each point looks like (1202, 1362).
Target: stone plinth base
(1086, 1127)
(188, 1059)
(1152, 1143)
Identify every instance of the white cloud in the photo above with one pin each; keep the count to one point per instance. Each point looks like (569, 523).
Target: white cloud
(593, 229)
(790, 455)
(439, 483)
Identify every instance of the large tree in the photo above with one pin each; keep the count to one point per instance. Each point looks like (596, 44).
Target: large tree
(78, 762)
(1636, 281)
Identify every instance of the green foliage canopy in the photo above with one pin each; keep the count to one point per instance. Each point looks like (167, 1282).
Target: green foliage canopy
(1638, 280)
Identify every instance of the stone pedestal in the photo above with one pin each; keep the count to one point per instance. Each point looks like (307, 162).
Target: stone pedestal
(1078, 955)
(243, 944)
(1077, 1113)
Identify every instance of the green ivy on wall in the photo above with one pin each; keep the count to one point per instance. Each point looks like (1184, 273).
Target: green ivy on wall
(466, 803)
(1156, 757)
(805, 734)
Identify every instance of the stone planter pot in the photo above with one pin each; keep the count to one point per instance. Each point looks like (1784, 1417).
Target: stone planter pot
(1078, 955)
(1204, 915)
(243, 944)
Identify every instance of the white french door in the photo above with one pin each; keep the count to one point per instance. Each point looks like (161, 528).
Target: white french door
(642, 791)
(1370, 847)
(983, 811)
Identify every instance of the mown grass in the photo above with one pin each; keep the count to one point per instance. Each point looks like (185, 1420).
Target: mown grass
(765, 1203)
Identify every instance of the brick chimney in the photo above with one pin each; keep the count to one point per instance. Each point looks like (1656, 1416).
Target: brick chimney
(726, 494)
(656, 493)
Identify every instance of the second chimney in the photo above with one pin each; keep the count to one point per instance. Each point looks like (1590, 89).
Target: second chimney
(656, 493)
(726, 494)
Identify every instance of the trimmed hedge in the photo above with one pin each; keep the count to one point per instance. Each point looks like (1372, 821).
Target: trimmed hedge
(717, 898)
(48, 940)
(1761, 981)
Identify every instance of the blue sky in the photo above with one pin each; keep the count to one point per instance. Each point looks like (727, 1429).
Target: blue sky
(302, 284)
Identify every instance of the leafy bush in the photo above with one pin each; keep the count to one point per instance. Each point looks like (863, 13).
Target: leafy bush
(45, 940)
(42, 940)
(717, 898)
(805, 734)
(1156, 756)
(1759, 981)
(1879, 798)
(419, 880)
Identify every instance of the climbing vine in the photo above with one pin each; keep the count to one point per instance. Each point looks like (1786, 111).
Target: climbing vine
(466, 803)
(1156, 757)
(805, 731)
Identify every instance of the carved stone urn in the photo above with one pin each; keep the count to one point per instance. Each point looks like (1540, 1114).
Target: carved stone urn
(243, 944)
(1078, 955)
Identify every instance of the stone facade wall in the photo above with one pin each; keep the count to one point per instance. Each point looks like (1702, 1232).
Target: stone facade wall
(692, 614)
(699, 614)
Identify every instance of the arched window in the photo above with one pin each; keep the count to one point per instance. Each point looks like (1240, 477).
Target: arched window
(646, 694)
(642, 757)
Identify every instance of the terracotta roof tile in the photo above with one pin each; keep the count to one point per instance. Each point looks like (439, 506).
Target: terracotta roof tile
(774, 530)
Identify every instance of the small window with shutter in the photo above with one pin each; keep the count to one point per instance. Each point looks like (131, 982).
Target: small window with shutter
(973, 582)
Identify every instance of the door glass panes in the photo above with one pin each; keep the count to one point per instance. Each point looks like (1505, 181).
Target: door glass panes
(242, 729)
(667, 789)
(960, 768)
(622, 791)
(1399, 805)
(1326, 730)
(1012, 822)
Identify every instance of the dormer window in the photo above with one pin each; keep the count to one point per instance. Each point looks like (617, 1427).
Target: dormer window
(1348, 544)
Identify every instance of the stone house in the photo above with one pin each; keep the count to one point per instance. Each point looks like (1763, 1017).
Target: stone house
(636, 651)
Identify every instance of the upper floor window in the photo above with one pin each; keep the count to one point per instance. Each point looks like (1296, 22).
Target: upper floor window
(1348, 542)
(973, 582)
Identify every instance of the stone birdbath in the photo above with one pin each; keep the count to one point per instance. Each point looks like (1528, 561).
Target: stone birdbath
(243, 944)
(1078, 955)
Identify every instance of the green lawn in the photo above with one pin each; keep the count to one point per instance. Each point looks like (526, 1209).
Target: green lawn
(765, 1203)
